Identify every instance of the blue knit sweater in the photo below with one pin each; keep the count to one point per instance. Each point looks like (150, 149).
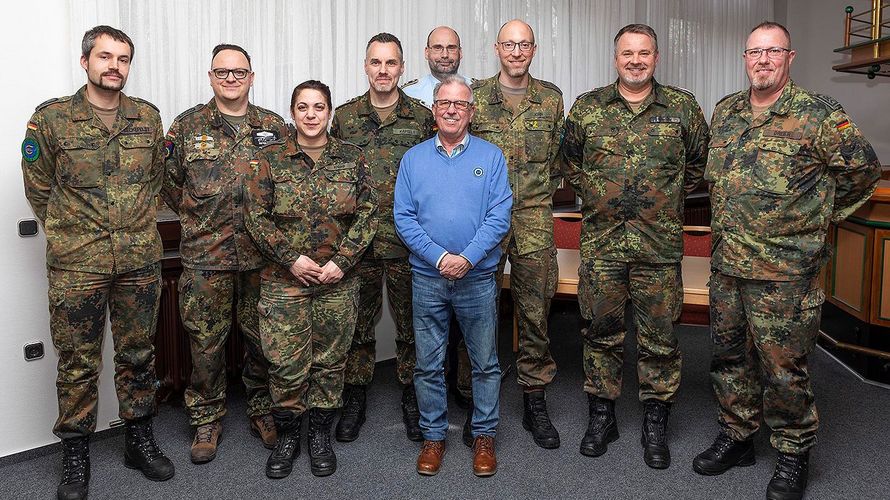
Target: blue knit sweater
(459, 205)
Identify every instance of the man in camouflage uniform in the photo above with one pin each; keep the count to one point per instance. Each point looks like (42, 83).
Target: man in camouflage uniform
(92, 165)
(524, 117)
(209, 148)
(633, 150)
(385, 123)
(783, 164)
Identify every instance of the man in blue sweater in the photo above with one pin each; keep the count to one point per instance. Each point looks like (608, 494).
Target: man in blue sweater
(452, 209)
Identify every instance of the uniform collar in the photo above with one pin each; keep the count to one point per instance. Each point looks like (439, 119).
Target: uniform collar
(532, 93)
(403, 109)
(333, 149)
(217, 120)
(81, 110)
(656, 96)
(782, 106)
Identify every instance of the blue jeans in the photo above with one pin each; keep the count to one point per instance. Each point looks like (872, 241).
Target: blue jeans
(472, 301)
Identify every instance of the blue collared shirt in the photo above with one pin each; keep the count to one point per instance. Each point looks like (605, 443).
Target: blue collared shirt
(423, 88)
(458, 149)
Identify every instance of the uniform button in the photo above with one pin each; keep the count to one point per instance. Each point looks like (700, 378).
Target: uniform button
(630, 152)
(111, 202)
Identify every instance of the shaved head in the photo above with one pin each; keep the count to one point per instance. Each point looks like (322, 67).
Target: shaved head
(442, 30)
(510, 26)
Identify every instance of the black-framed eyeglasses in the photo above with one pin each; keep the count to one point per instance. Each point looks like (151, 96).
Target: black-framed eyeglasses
(446, 103)
(509, 45)
(438, 49)
(771, 52)
(223, 73)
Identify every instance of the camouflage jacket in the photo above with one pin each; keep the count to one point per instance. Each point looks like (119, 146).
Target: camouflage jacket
(776, 182)
(530, 142)
(93, 189)
(384, 144)
(206, 162)
(323, 210)
(633, 171)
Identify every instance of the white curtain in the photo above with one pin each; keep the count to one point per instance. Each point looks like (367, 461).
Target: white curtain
(700, 42)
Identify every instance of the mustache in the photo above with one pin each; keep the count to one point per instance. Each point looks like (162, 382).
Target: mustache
(113, 73)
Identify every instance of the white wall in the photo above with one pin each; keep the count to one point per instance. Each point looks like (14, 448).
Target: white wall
(37, 59)
(817, 28)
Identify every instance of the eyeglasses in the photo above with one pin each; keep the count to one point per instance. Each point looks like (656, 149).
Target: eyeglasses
(223, 73)
(771, 52)
(438, 49)
(445, 104)
(508, 46)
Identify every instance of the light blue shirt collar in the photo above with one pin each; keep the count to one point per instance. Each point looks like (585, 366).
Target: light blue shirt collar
(457, 149)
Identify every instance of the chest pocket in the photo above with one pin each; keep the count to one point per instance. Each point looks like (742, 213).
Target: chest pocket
(338, 193)
(779, 170)
(205, 174)
(717, 157)
(137, 154)
(537, 140)
(486, 129)
(81, 160)
(292, 193)
(602, 148)
(666, 144)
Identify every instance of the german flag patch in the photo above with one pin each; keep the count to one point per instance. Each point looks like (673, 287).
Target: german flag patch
(32, 126)
(843, 125)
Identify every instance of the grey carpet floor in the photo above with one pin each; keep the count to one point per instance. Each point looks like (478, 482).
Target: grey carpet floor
(849, 462)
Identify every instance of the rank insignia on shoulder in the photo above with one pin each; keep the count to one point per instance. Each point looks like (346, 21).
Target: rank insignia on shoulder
(262, 138)
(30, 150)
(664, 119)
(168, 149)
(844, 124)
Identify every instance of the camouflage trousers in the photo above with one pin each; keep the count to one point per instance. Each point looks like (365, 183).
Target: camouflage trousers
(656, 298)
(763, 332)
(206, 301)
(77, 308)
(306, 333)
(362, 354)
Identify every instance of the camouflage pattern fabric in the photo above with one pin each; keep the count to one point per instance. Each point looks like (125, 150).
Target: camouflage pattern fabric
(324, 210)
(77, 305)
(207, 160)
(765, 327)
(205, 304)
(655, 292)
(529, 138)
(92, 188)
(383, 144)
(362, 354)
(633, 170)
(778, 181)
(306, 333)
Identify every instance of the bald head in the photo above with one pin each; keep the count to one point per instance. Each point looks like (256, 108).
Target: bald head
(516, 30)
(442, 32)
(443, 52)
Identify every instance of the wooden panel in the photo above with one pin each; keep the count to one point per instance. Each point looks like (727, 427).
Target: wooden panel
(880, 290)
(851, 261)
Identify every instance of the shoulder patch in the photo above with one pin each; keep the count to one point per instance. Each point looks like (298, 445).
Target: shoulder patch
(728, 96)
(551, 86)
(143, 101)
(828, 101)
(681, 90)
(52, 101)
(477, 84)
(189, 111)
(412, 82)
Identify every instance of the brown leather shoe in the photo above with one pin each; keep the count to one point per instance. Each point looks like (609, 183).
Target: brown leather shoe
(484, 462)
(263, 427)
(204, 445)
(430, 458)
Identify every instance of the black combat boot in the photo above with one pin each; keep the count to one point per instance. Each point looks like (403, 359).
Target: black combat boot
(602, 428)
(352, 415)
(287, 444)
(141, 451)
(654, 438)
(322, 460)
(536, 420)
(790, 479)
(467, 434)
(724, 454)
(75, 469)
(411, 414)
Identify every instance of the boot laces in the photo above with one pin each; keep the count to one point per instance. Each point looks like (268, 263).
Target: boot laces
(74, 463)
(352, 407)
(484, 445)
(267, 423)
(144, 440)
(204, 433)
(789, 467)
(539, 413)
(722, 444)
(655, 423)
(285, 445)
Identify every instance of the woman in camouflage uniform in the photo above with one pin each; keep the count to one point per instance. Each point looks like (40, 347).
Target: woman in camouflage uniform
(310, 211)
